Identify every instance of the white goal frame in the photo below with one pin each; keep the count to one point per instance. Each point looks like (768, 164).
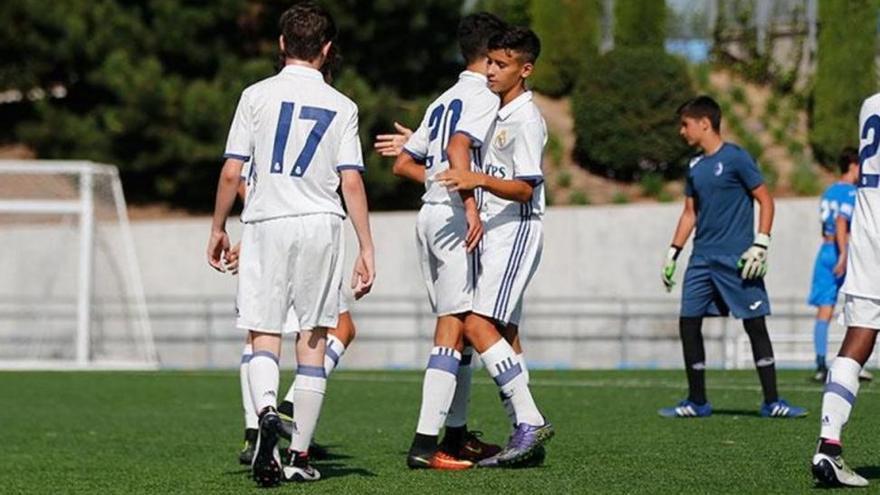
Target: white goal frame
(83, 208)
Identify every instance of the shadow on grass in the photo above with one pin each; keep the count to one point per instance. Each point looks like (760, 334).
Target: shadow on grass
(869, 472)
(238, 472)
(337, 470)
(737, 412)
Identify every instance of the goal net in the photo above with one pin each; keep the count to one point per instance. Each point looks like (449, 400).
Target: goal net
(70, 288)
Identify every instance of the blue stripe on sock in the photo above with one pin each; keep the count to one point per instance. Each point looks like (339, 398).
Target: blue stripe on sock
(508, 374)
(441, 362)
(246, 358)
(332, 354)
(315, 371)
(267, 354)
(840, 390)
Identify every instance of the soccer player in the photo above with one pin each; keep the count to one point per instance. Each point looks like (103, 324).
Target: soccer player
(511, 192)
(861, 309)
(448, 229)
(829, 271)
(302, 136)
(726, 269)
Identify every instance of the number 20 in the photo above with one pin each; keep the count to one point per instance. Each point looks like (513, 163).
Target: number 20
(322, 118)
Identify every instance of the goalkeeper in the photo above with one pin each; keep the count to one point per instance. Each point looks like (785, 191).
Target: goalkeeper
(726, 269)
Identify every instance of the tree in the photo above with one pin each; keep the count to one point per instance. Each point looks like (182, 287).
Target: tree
(640, 23)
(845, 74)
(569, 32)
(625, 114)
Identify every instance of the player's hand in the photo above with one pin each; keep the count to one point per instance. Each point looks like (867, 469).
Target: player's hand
(460, 180)
(669, 268)
(475, 229)
(232, 257)
(392, 144)
(840, 267)
(218, 245)
(364, 274)
(753, 263)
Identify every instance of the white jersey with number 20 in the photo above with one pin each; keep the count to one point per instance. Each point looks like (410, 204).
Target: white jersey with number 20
(863, 263)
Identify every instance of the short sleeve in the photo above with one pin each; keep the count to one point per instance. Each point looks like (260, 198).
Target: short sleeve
(848, 204)
(240, 141)
(417, 144)
(748, 172)
(528, 150)
(689, 185)
(477, 116)
(350, 155)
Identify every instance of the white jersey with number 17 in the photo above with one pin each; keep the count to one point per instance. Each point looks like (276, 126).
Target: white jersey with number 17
(298, 133)
(863, 263)
(468, 107)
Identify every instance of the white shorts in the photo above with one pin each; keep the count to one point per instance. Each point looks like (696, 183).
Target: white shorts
(861, 312)
(509, 257)
(447, 267)
(290, 274)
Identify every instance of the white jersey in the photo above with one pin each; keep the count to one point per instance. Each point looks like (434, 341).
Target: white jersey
(298, 132)
(515, 152)
(468, 107)
(863, 263)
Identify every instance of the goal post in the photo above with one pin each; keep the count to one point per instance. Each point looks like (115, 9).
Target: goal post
(72, 295)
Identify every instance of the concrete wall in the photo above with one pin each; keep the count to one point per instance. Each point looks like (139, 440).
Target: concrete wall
(600, 272)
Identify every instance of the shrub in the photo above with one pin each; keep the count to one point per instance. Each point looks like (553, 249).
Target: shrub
(569, 32)
(804, 180)
(652, 184)
(625, 114)
(563, 179)
(620, 198)
(578, 197)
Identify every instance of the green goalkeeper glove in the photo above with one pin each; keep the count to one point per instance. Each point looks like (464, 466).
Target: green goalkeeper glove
(753, 262)
(669, 267)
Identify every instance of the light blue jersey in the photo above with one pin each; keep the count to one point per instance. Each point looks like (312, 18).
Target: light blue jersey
(838, 199)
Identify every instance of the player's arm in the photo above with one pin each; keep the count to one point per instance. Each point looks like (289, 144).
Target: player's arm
(407, 167)
(458, 152)
(686, 223)
(356, 201)
(227, 190)
(841, 237)
(767, 209)
(466, 180)
(392, 144)
(753, 262)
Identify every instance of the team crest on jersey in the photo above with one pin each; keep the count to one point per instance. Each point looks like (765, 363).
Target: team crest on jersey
(719, 169)
(501, 138)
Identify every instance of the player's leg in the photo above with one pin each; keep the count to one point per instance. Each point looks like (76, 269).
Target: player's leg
(456, 421)
(309, 388)
(698, 299)
(251, 422)
(838, 400)
(500, 359)
(438, 389)
(511, 335)
(820, 340)
(263, 378)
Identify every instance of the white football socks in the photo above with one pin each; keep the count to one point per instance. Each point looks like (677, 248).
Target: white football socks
(438, 389)
(507, 371)
(308, 395)
(505, 401)
(263, 378)
(458, 411)
(247, 401)
(334, 352)
(841, 389)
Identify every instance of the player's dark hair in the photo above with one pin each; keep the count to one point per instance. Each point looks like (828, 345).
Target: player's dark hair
(474, 33)
(520, 40)
(702, 107)
(306, 27)
(847, 157)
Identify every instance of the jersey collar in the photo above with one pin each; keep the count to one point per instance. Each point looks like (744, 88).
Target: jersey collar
(299, 70)
(469, 74)
(516, 104)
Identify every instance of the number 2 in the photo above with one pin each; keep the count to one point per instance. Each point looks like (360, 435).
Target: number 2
(322, 118)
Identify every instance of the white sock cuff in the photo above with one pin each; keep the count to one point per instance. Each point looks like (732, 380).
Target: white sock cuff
(310, 384)
(248, 349)
(499, 351)
(444, 359)
(521, 358)
(335, 349)
(264, 354)
(845, 371)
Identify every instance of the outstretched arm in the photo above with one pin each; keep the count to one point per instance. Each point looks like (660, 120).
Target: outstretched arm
(465, 180)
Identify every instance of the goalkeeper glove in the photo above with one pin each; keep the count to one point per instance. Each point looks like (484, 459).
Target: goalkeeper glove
(669, 267)
(753, 263)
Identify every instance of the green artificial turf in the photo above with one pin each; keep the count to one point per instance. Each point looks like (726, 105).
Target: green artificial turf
(179, 432)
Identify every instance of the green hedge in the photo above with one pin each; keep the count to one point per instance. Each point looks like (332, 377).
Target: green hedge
(624, 109)
(846, 73)
(640, 23)
(569, 32)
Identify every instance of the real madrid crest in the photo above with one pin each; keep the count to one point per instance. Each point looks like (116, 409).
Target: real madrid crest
(501, 138)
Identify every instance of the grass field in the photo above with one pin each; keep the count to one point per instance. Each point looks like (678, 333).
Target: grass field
(179, 432)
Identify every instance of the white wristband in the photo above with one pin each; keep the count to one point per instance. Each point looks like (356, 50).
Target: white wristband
(762, 239)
